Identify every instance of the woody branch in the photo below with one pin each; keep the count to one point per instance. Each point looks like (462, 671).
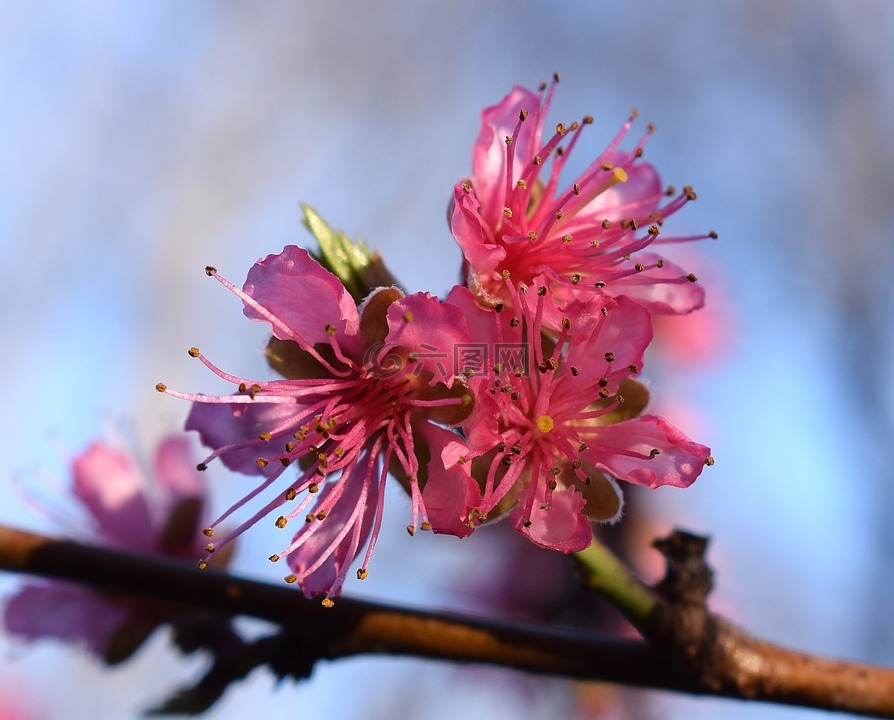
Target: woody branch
(687, 648)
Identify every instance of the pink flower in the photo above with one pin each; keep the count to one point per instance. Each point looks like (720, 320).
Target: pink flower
(555, 420)
(157, 514)
(591, 237)
(361, 393)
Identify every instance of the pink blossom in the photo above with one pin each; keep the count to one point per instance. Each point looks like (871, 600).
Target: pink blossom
(595, 236)
(158, 514)
(360, 390)
(555, 421)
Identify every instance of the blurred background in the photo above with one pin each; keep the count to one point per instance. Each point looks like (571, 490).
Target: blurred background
(142, 141)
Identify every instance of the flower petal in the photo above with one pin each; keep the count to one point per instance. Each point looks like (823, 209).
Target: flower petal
(66, 612)
(663, 290)
(107, 482)
(432, 332)
(342, 534)
(489, 153)
(450, 492)
(473, 234)
(239, 425)
(626, 451)
(302, 295)
(560, 526)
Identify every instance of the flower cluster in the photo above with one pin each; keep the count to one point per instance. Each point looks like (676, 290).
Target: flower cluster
(517, 395)
(156, 513)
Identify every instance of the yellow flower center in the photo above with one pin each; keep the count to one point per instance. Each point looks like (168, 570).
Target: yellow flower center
(545, 423)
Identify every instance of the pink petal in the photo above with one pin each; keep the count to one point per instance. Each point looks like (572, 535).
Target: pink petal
(662, 290)
(431, 331)
(359, 497)
(679, 460)
(108, 484)
(637, 197)
(489, 153)
(239, 425)
(64, 611)
(450, 492)
(625, 332)
(561, 526)
(175, 469)
(473, 234)
(302, 295)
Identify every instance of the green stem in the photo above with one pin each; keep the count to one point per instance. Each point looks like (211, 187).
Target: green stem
(608, 576)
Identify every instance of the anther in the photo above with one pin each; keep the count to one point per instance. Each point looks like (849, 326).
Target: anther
(576, 464)
(526, 522)
(587, 120)
(541, 291)
(691, 277)
(411, 529)
(633, 368)
(605, 312)
(507, 140)
(609, 357)
(516, 449)
(262, 462)
(709, 461)
(566, 323)
(639, 267)
(689, 193)
(321, 515)
(193, 352)
(606, 224)
(599, 284)
(507, 212)
(501, 447)
(327, 602)
(521, 185)
(506, 460)
(408, 316)
(426, 526)
(514, 322)
(660, 263)
(202, 565)
(638, 152)
(274, 558)
(654, 452)
(291, 578)
(208, 532)
(523, 115)
(575, 371)
(583, 447)
(291, 494)
(201, 467)
(575, 278)
(654, 230)
(210, 270)
(576, 188)
(362, 573)
(265, 436)
(330, 329)
(242, 387)
(712, 235)
(567, 239)
(499, 307)
(161, 387)
(280, 522)
(209, 548)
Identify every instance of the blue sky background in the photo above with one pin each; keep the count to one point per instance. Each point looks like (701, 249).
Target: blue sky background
(142, 141)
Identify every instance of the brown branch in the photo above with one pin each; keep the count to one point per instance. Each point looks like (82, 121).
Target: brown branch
(693, 652)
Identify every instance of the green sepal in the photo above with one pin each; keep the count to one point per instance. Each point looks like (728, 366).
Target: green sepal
(360, 269)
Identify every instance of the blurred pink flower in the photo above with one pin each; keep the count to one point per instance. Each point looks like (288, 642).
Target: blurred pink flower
(361, 390)
(590, 237)
(555, 421)
(159, 514)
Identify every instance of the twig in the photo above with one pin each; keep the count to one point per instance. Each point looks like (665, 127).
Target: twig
(729, 662)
